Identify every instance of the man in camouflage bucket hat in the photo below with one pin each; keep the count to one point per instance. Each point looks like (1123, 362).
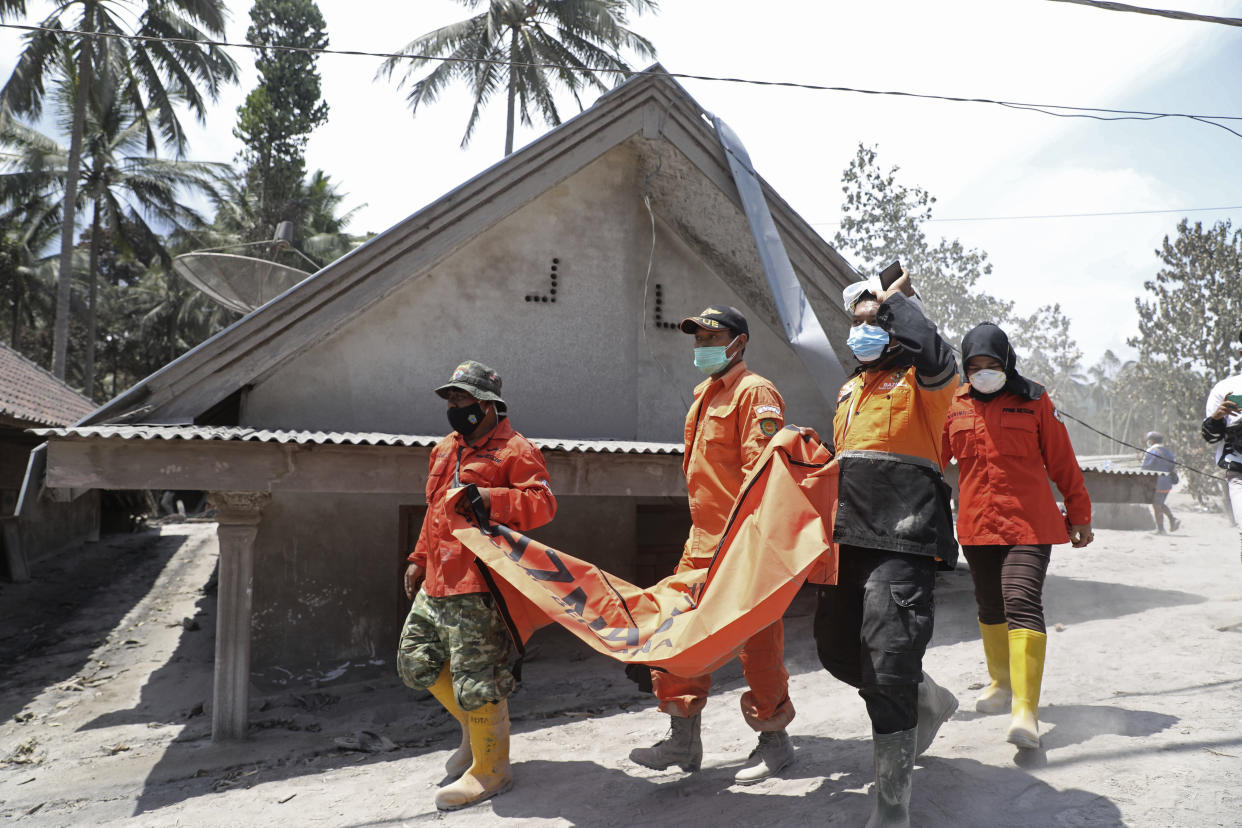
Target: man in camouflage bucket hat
(455, 643)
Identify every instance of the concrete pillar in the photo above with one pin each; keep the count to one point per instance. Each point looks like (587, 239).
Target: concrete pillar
(237, 516)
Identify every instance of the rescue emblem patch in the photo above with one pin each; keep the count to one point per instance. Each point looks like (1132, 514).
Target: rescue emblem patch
(459, 372)
(767, 409)
(1056, 414)
(769, 427)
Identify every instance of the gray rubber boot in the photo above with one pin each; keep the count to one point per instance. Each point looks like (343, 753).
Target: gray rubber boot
(773, 753)
(894, 767)
(936, 705)
(682, 747)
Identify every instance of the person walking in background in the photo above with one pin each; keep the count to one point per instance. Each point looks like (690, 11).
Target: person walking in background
(1159, 458)
(1009, 440)
(1222, 425)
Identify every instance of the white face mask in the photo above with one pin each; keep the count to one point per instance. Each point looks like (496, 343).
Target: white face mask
(987, 381)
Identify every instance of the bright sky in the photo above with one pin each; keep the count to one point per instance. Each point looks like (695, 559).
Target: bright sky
(980, 161)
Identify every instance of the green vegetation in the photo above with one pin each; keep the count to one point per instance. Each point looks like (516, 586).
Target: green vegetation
(528, 44)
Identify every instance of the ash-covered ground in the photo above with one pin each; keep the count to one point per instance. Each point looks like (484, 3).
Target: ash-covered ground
(105, 688)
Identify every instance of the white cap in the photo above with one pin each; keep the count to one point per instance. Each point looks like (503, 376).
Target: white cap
(856, 289)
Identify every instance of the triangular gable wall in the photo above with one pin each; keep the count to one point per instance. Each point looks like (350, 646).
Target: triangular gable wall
(601, 357)
(684, 171)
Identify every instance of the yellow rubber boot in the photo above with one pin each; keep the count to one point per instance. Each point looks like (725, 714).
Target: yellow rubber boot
(1026, 670)
(443, 691)
(996, 696)
(490, 773)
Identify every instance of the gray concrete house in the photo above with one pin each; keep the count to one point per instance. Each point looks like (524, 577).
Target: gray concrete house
(565, 267)
(311, 419)
(30, 397)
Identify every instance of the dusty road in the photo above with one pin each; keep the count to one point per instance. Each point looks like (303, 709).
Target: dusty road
(105, 665)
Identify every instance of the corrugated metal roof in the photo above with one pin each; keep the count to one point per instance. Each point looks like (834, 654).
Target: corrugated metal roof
(1106, 469)
(32, 395)
(355, 438)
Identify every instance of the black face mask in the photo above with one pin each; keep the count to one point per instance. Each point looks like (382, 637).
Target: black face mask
(466, 419)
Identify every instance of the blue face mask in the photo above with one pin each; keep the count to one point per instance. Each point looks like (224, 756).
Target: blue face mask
(711, 358)
(868, 341)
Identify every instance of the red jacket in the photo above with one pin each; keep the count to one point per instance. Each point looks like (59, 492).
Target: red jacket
(1007, 448)
(512, 470)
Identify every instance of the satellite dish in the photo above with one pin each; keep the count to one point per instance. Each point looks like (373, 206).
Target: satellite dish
(240, 283)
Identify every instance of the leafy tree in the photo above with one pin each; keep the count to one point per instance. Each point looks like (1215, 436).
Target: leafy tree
(883, 220)
(280, 113)
(321, 228)
(522, 46)
(154, 76)
(27, 286)
(124, 189)
(1048, 352)
(1187, 322)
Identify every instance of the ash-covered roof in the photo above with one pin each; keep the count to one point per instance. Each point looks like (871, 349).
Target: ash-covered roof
(355, 438)
(31, 395)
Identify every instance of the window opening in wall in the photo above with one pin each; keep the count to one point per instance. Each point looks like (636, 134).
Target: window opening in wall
(550, 296)
(661, 530)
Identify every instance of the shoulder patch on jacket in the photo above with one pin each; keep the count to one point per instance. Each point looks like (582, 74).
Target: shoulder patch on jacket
(769, 427)
(768, 409)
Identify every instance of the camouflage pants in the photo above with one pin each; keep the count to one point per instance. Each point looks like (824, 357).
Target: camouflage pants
(467, 632)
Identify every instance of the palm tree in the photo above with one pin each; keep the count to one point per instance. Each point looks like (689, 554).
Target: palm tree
(320, 236)
(152, 76)
(126, 189)
(521, 47)
(27, 225)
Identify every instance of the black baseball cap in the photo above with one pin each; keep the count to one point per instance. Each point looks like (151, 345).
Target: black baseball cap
(716, 318)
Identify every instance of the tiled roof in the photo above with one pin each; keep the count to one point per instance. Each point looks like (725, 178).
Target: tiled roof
(32, 395)
(356, 438)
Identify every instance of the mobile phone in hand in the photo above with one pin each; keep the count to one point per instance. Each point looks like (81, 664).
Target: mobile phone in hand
(1236, 399)
(890, 274)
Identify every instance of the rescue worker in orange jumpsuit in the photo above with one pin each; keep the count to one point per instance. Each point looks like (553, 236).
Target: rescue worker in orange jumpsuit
(893, 523)
(455, 644)
(1008, 440)
(734, 415)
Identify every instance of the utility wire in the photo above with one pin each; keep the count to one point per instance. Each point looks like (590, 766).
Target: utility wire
(1173, 15)
(1090, 427)
(1066, 111)
(1064, 215)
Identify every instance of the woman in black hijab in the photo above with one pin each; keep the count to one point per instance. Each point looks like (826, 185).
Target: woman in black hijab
(1008, 441)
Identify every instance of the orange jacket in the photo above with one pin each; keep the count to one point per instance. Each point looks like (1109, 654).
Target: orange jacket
(513, 472)
(891, 411)
(1007, 448)
(727, 428)
(887, 434)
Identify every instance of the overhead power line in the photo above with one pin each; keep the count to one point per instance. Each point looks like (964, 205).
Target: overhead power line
(1141, 450)
(1173, 15)
(1068, 215)
(1057, 110)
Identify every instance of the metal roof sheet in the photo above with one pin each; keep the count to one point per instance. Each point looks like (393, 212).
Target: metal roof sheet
(355, 438)
(374, 438)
